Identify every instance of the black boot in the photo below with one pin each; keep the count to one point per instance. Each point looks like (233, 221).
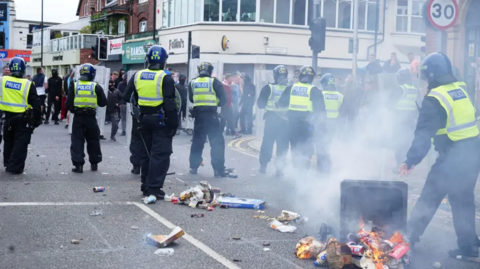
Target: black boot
(123, 133)
(94, 167)
(263, 169)
(78, 169)
(136, 170)
(193, 171)
(278, 174)
(221, 173)
(471, 251)
(56, 122)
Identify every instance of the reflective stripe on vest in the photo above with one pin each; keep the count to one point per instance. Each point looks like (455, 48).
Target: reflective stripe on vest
(14, 94)
(461, 121)
(85, 95)
(276, 92)
(203, 93)
(149, 85)
(300, 97)
(409, 96)
(333, 102)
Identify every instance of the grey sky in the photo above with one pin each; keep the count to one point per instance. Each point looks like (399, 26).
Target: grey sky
(54, 10)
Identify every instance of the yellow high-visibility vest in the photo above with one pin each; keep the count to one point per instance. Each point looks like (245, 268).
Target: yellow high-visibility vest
(203, 93)
(85, 95)
(14, 94)
(300, 97)
(149, 85)
(409, 96)
(461, 121)
(333, 102)
(276, 92)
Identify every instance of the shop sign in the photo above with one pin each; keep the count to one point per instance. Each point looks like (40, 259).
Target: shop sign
(224, 43)
(115, 46)
(134, 52)
(3, 12)
(9, 54)
(176, 43)
(275, 50)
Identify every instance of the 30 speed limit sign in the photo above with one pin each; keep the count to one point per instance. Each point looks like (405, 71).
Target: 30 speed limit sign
(442, 14)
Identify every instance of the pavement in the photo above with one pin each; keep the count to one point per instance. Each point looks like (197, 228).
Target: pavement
(48, 206)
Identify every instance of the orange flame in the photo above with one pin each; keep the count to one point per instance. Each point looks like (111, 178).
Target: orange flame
(303, 252)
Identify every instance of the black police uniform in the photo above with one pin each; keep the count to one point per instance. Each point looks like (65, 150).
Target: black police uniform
(85, 128)
(301, 127)
(158, 137)
(136, 146)
(207, 124)
(17, 133)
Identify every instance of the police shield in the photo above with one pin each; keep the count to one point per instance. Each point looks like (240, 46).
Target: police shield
(131, 108)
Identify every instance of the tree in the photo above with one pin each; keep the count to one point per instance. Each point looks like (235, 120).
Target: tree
(86, 30)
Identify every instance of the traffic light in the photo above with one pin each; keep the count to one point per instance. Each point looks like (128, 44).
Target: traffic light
(318, 27)
(195, 52)
(103, 49)
(95, 52)
(424, 40)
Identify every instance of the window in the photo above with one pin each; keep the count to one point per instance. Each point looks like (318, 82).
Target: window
(345, 13)
(409, 16)
(283, 12)
(121, 27)
(85, 10)
(191, 11)
(142, 26)
(248, 10)
(99, 5)
(110, 2)
(110, 27)
(229, 10)
(122, 2)
(299, 12)
(142, 1)
(329, 12)
(184, 12)
(211, 10)
(266, 10)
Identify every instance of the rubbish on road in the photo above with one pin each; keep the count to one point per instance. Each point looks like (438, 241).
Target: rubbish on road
(197, 215)
(175, 200)
(75, 241)
(96, 213)
(266, 244)
(232, 176)
(168, 198)
(263, 217)
(99, 189)
(134, 227)
(164, 252)
(399, 250)
(242, 202)
(222, 194)
(277, 225)
(301, 220)
(437, 265)
(210, 208)
(266, 249)
(357, 250)
(223, 206)
(309, 248)
(237, 260)
(27, 183)
(230, 170)
(469, 259)
(236, 238)
(321, 258)
(261, 211)
(288, 216)
(150, 199)
(201, 193)
(162, 241)
(334, 256)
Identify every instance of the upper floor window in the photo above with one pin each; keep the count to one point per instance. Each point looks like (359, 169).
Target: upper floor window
(85, 10)
(409, 16)
(142, 1)
(122, 2)
(110, 2)
(181, 12)
(99, 5)
(121, 27)
(142, 26)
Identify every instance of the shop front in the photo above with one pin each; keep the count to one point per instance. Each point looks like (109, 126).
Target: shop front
(133, 53)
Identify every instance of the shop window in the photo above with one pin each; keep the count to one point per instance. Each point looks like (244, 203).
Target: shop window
(409, 16)
(142, 26)
(211, 10)
(283, 12)
(248, 10)
(229, 10)
(121, 27)
(177, 15)
(266, 10)
(171, 9)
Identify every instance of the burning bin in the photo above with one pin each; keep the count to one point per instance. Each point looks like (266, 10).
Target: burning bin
(382, 202)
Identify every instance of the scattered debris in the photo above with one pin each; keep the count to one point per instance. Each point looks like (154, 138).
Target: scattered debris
(197, 215)
(237, 260)
(288, 216)
(164, 252)
(27, 183)
(162, 241)
(263, 217)
(236, 238)
(168, 198)
(75, 241)
(266, 249)
(150, 199)
(261, 211)
(321, 258)
(437, 265)
(134, 227)
(242, 202)
(104, 194)
(96, 213)
(308, 248)
(266, 244)
(104, 173)
(98, 189)
(232, 176)
(277, 225)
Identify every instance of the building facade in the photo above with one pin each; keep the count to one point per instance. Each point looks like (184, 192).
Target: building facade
(22, 33)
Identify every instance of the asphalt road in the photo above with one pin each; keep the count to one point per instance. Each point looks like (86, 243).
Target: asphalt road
(42, 210)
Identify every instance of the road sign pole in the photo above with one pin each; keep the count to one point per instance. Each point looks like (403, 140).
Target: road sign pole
(440, 40)
(315, 52)
(355, 40)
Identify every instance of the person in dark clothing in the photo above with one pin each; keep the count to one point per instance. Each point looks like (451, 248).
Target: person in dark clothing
(306, 111)
(246, 106)
(374, 67)
(158, 120)
(41, 84)
(54, 96)
(392, 65)
(119, 78)
(16, 94)
(227, 120)
(122, 86)
(66, 83)
(207, 94)
(275, 122)
(448, 116)
(352, 98)
(182, 90)
(114, 99)
(83, 98)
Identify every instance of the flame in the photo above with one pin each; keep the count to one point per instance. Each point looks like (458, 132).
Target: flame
(303, 251)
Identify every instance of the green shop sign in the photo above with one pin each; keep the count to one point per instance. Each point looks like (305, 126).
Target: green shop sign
(134, 52)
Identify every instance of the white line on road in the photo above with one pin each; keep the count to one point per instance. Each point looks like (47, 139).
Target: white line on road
(210, 252)
(61, 203)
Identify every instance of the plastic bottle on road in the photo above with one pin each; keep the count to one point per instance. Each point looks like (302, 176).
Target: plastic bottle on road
(163, 252)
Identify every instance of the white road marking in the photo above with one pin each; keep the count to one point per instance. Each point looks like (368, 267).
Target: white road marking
(210, 252)
(61, 203)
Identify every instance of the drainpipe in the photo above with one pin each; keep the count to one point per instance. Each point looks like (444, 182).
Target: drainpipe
(376, 29)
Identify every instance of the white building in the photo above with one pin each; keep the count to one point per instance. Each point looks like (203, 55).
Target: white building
(21, 37)
(249, 35)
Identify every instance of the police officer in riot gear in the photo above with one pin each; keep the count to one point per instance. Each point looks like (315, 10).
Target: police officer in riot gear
(275, 121)
(333, 103)
(306, 110)
(403, 99)
(207, 94)
(154, 91)
(20, 104)
(136, 144)
(83, 98)
(448, 116)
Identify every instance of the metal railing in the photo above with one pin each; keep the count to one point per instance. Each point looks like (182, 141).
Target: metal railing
(72, 43)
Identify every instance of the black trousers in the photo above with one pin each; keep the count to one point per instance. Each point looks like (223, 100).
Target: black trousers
(42, 99)
(155, 162)
(207, 124)
(85, 128)
(58, 107)
(16, 137)
(276, 132)
(301, 133)
(115, 120)
(455, 174)
(227, 120)
(404, 127)
(323, 141)
(246, 118)
(136, 145)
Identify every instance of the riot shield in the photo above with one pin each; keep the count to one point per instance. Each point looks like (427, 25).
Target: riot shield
(129, 119)
(262, 78)
(102, 77)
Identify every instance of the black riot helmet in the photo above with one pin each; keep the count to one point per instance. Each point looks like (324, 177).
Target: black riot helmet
(436, 68)
(306, 74)
(328, 82)
(404, 76)
(280, 73)
(205, 69)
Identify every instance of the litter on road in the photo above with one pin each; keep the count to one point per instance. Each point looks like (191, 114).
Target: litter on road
(75, 241)
(164, 252)
(162, 241)
(98, 189)
(266, 249)
(134, 227)
(150, 199)
(197, 215)
(96, 213)
(284, 228)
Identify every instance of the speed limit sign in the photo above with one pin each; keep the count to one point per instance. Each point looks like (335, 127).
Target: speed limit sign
(442, 14)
